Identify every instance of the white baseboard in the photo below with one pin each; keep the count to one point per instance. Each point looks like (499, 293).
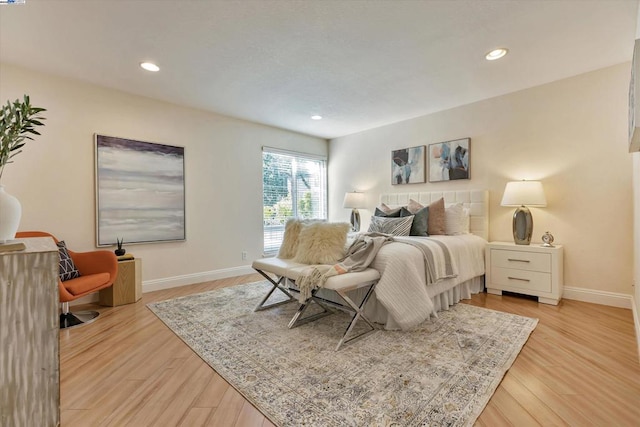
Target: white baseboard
(190, 279)
(176, 281)
(612, 299)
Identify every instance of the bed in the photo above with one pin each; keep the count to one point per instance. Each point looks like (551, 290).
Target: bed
(415, 277)
(402, 297)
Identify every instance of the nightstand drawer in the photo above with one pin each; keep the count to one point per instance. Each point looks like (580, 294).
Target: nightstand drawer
(531, 261)
(509, 278)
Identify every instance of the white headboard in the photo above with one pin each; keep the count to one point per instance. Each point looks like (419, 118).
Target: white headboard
(476, 200)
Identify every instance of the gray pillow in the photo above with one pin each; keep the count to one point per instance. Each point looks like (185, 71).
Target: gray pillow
(420, 223)
(392, 213)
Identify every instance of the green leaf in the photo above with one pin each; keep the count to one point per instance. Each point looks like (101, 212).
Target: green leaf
(18, 120)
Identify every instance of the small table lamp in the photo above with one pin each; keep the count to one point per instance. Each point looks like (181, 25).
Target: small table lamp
(354, 200)
(521, 193)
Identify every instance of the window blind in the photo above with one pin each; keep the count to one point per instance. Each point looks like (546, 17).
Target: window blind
(294, 186)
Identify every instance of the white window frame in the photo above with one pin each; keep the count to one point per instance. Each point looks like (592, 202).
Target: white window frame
(272, 239)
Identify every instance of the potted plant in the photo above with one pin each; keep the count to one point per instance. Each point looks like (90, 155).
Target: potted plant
(18, 121)
(120, 251)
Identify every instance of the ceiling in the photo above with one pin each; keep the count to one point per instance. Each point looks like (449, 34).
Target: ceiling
(359, 64)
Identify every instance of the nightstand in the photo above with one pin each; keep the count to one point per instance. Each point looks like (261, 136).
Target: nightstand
(525, 269)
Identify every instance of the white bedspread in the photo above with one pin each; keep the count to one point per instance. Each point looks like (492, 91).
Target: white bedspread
(402, 297)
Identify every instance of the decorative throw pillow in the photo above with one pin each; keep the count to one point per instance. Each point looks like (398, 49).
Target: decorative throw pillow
(455, 220)
(292, 229)
(389, 213)
(393, 226)
(322, 242)
(384, 208)
(420, 223)
(414, 206)
(290, 239)
(67, 269)
(466, 219)
(436, 217)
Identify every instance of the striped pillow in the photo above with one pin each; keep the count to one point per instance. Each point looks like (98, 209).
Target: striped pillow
(393, 226)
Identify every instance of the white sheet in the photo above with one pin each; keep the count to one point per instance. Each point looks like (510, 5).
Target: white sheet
(402, 298)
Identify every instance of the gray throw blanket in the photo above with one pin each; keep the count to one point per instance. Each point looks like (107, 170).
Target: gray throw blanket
(358, 258)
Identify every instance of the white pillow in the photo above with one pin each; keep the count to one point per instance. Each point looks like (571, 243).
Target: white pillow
(456, 220)
(322, 242)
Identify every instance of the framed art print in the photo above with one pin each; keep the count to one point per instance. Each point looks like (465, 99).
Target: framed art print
(449, 160)
(140, 191)
(407, 165)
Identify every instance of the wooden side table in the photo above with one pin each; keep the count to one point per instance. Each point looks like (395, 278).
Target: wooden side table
(127, 288)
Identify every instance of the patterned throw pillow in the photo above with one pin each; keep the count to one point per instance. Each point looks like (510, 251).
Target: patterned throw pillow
(67, 269)
(393, 226)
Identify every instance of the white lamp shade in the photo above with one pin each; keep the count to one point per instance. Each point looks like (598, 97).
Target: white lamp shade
(354, 200)
(524, 193)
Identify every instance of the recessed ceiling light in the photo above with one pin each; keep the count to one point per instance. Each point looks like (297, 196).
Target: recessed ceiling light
(316, 117)
(496, 54)
(150, 66)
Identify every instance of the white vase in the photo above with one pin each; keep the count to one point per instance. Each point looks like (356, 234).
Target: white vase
(10, 212)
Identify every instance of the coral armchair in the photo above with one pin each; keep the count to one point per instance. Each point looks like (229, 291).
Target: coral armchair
(98, 270)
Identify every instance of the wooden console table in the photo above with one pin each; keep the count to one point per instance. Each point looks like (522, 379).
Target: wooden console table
(127, 287)
(29, 329)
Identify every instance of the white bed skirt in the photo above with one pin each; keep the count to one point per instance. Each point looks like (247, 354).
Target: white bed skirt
(443, 294)
(445, 298)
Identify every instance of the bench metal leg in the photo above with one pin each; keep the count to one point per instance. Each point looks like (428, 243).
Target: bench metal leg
(276, 284)
(358, 313)
(297, 318)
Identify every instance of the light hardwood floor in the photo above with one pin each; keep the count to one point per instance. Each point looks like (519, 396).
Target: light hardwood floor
(580, 367)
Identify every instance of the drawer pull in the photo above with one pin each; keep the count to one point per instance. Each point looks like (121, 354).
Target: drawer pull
(518, 260)
(517, 278)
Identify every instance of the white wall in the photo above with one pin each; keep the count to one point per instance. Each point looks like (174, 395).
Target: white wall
(570, 134)
(54, 176)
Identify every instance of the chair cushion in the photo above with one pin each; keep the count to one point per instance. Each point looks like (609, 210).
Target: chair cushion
(67, 269)
(84, 284)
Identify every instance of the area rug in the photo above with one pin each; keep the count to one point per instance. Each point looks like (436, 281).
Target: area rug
(441, 373)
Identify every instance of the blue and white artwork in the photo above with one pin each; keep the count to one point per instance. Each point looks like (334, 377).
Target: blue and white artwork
(449, 160)
(140, 192)
(407, 165)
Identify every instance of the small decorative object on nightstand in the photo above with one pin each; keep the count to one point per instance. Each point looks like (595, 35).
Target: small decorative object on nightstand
(530, 270)
(547, 240)
(120, 250)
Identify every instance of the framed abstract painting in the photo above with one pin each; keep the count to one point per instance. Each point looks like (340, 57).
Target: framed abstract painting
(407, 165)
(450, 160)
(140, 191)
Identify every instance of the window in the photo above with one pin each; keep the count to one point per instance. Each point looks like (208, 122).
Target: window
(294, 186)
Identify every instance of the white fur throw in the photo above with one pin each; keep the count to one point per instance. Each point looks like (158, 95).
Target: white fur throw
(322, 242)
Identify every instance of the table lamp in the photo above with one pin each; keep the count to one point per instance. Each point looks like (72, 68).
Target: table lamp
(354, 200)
(523, 194)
